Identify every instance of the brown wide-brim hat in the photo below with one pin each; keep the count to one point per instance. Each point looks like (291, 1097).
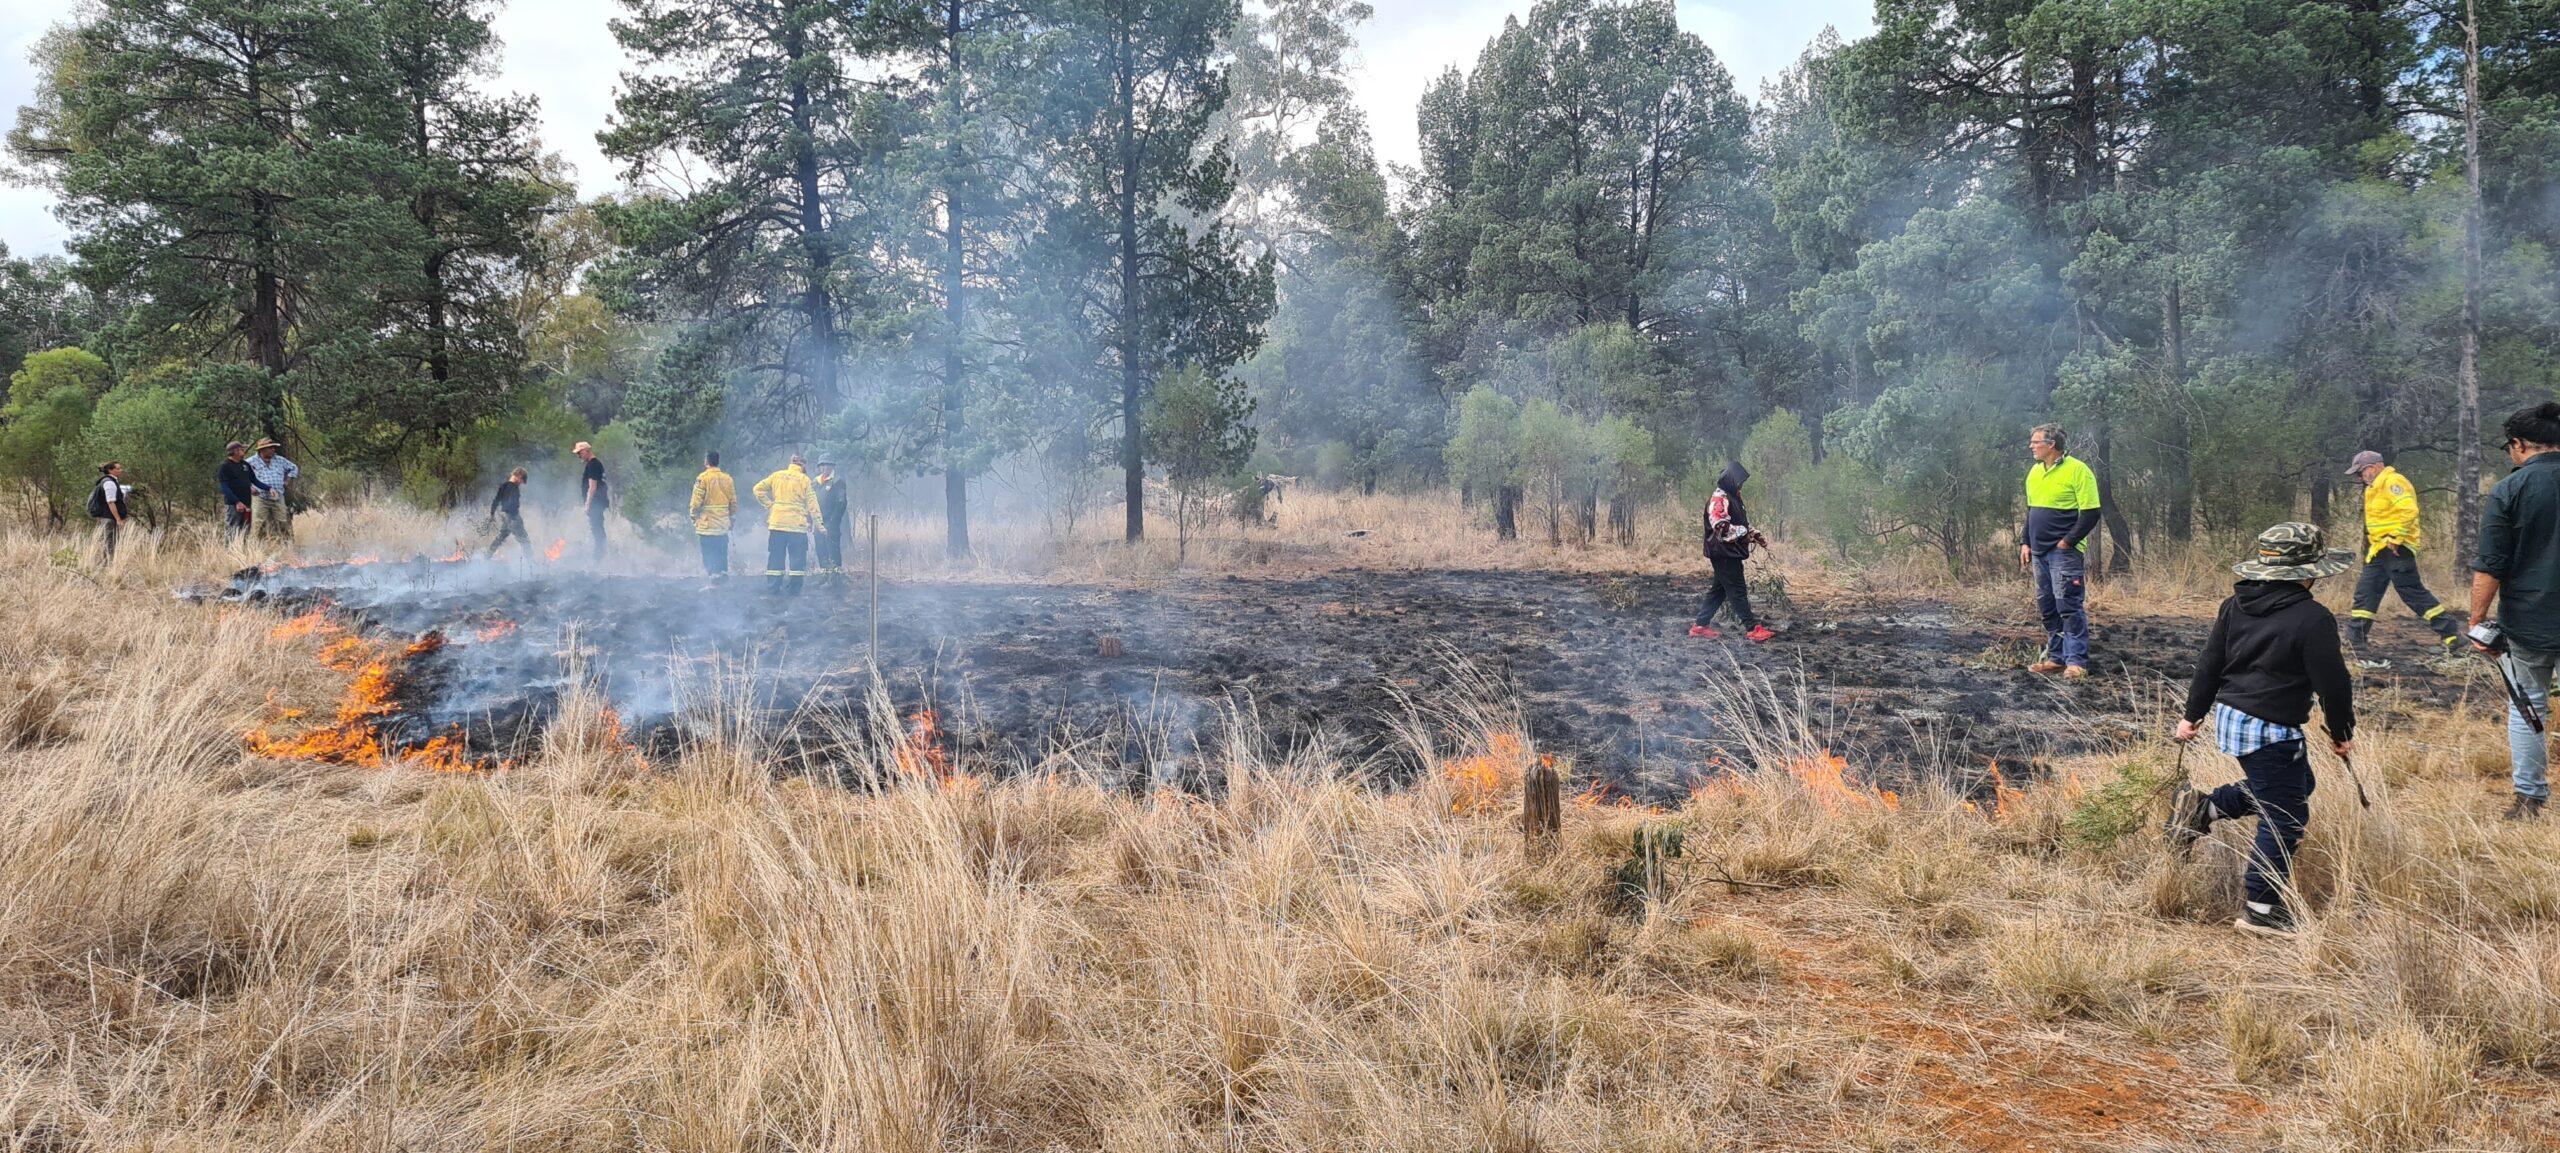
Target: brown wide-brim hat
(2293, 551)
(263, 444)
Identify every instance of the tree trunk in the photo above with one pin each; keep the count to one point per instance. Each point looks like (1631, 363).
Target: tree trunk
(1132, 447)
(1506, 512)
(2177, 468)
(439, 327)
(266, 293)
(2110, 503)
(266, 314)
(955, 286)
(2466, 421)
(817, 303)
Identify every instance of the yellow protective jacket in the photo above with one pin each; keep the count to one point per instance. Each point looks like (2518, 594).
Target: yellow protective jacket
(790, 501)
(715, 503)
(2390, 513)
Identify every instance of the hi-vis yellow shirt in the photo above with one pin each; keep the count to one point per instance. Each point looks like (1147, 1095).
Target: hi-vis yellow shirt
(2390, 513)
(715, 503)
(790, 501)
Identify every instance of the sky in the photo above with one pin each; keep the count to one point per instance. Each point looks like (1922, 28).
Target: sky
(560, 52)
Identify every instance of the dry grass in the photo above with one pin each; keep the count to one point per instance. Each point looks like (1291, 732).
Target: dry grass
(204, 950)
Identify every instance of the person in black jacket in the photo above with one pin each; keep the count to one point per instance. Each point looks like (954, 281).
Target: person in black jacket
(831, 519)
(239, 485)
(506, 515)
(2272, 650)
(1729, 537)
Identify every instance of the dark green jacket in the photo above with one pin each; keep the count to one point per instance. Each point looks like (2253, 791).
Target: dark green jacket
(2520, 545)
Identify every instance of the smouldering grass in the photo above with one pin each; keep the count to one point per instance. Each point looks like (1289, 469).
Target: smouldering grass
(720, 950)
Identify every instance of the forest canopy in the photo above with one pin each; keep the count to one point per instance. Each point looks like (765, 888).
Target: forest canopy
(2227, 243)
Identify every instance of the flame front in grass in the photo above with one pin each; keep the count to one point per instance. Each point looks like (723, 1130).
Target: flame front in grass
(923, 751)
(557, 547)
(2003, 794)
(497, 628)
(1480, 779)
(352, 737)
(1825, 779)
(313, 623)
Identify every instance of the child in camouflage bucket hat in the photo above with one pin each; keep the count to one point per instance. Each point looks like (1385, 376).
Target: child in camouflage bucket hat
(2272, 649)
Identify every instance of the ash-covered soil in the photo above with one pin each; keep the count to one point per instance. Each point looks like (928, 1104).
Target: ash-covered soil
(1150, 678)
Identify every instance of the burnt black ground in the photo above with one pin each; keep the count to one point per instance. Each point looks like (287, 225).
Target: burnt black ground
(1602, 666)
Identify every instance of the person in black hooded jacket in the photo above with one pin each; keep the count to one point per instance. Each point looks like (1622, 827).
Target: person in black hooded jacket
(2272, 649)
(1728, 540)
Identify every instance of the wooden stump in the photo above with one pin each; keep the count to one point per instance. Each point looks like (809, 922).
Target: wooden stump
(1541, 808)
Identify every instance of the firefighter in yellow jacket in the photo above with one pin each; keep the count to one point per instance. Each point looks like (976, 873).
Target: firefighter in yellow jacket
(2390, 557)
(715, 509)
(791, 514)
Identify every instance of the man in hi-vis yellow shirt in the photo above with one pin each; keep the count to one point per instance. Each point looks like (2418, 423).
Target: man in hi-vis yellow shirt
(2390, 558)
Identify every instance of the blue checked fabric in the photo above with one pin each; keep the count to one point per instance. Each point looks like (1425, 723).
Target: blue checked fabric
(2240, 734)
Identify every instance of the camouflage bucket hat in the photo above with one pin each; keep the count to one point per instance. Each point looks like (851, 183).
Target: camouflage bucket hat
(2293, 551)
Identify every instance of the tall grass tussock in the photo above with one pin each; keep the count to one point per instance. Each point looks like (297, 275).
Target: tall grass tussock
(722, 951)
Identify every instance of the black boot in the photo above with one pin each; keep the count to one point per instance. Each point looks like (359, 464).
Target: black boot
(2190, 819)
(2525, 808)
(2270, 921)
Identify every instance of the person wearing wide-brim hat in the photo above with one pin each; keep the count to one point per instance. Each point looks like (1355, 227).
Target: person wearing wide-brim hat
(2272, 649)
(275, 473)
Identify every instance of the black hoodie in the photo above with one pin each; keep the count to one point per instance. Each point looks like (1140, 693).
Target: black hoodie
(1729, 492)
(2272, 648)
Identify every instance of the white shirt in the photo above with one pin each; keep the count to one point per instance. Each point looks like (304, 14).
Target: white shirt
(273, 474)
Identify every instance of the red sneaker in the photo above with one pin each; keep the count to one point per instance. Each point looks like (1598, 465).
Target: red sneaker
(1704, 631)
(1759, 633)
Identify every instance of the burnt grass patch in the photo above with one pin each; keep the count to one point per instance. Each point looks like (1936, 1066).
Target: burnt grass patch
(1152, 678)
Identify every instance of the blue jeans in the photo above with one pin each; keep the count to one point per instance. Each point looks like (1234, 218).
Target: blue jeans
(2529, 752)
(2060, 593)
(2277, 792)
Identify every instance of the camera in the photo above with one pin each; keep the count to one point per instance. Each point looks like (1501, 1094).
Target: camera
(2489, 636)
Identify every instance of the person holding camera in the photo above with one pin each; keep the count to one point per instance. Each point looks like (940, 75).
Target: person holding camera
(2516, 570)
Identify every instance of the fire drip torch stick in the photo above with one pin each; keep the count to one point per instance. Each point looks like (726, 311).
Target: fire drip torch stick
(871, 567)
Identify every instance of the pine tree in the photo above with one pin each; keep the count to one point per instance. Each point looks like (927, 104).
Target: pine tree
(471, 174)
(750, 135)
(1153, 279)
(966, 156)
(217, 164)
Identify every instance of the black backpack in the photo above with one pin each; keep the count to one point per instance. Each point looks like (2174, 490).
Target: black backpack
(98, 500)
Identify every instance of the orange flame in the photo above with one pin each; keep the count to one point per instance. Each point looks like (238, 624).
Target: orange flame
(313, 623)
(1825, 779)
(1480, 779)
(2003, 794)
(495, 629)
(923, 751)
(347, 654)
(557, 547)
(460, 554)
(353, 736)
(1601, 794)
